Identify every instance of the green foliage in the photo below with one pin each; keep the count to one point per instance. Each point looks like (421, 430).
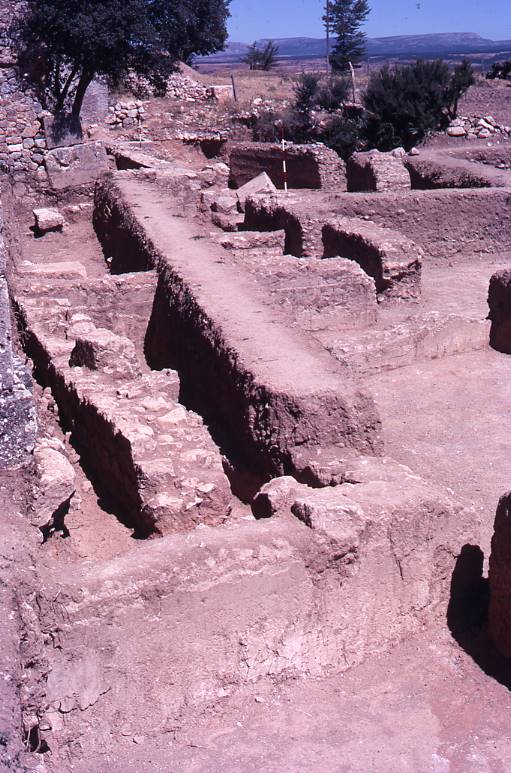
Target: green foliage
(344, 134)
(461, 80)
(501, 70)
(295, 124)
(77, 40)
(261, 58)
(333, 94)
(272, 126)
(407, 102)
(344, 20)
(306, 92)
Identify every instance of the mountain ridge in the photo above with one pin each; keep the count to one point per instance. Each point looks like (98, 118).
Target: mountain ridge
(395, 45)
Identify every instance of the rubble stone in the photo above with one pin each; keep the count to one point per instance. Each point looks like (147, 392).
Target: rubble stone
(101, 349)
(55, 489)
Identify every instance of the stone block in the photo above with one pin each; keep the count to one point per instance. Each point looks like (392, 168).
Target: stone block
(222, 93)
(70, 167)
(66, 269)
(47, 219)
(258, 185)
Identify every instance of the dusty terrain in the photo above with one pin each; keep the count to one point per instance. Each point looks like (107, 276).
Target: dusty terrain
(272, 437)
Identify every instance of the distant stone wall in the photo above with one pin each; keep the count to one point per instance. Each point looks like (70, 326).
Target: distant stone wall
(308, 166)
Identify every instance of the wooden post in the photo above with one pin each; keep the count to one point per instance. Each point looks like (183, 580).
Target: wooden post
(234, 88)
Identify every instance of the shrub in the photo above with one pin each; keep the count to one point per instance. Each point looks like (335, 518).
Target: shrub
(306, 93)
(500, 70)
(461, 80)
(408, 102)
(333, 94)
(272, 126)
(345, 134)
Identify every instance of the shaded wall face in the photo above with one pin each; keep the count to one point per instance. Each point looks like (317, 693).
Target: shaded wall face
(302, 169)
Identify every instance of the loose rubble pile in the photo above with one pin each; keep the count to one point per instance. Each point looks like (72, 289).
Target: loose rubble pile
(477, 128)
(186, 89)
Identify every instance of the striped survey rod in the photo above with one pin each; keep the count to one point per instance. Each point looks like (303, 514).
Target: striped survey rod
(284, 161)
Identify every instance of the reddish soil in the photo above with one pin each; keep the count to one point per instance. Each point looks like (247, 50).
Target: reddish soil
(437, 703)
(427, 707)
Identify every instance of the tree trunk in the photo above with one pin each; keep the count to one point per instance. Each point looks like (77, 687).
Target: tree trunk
(86, 78)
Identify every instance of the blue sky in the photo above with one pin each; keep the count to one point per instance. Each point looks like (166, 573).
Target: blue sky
(253, 19)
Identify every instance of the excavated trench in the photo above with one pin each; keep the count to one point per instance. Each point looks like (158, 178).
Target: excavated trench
(257, 423)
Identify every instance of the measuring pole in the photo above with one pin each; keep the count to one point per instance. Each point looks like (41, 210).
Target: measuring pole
(284, 161)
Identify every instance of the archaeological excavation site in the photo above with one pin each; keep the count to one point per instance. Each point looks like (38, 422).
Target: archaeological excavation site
(254, 462)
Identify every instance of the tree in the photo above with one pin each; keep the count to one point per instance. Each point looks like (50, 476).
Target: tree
(77, 40)
(261, 58)
(344, 18)
(252, 56)
(269, 56)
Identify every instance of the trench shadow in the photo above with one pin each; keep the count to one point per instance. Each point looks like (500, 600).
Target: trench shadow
(105, 501)
(467, 615)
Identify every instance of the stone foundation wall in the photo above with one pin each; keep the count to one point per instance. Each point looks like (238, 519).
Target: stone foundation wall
(18, 425)
(375, 171)
(447, 224)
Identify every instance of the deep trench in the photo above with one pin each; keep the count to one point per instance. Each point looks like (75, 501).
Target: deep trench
(164, 347)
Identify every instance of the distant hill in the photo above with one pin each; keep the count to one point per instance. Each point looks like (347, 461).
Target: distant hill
(400, 46)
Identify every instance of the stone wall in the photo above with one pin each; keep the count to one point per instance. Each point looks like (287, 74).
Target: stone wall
(17, 412)
(22, 136)
(375, 171)
(22, 140)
